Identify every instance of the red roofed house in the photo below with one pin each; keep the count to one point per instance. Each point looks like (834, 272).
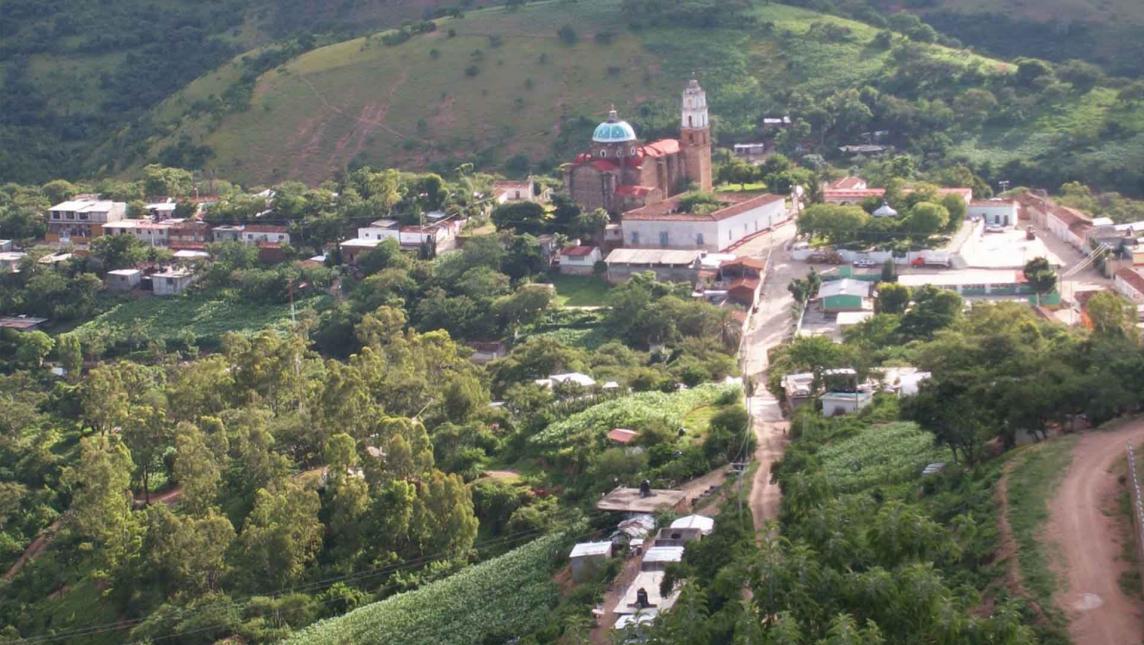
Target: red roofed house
(618, 173)
(578, 260)
(847, 183)
(832, 195)
(1130, 283)
(663, 226)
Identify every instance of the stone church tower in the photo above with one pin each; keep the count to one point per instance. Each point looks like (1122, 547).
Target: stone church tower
(695, 136)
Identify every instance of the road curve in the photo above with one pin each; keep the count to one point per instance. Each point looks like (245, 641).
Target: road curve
(1085, 528)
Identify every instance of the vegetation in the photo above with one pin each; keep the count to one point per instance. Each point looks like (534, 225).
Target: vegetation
(494, 600)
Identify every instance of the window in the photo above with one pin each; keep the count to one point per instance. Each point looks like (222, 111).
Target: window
(690, 123)
(699, 239)
(635, 237)
(603, 153)
(55, 215)
(663, 238)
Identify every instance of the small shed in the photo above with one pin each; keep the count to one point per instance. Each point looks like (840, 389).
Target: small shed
(124, 279)
(579, 260)
(705, 524)
(844, 295)
(587, 558)
(171, 282)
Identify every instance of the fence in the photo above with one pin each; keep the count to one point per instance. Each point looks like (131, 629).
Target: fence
(1137, 510)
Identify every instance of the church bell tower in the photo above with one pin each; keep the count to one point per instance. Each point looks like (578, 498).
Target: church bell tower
(695, 136)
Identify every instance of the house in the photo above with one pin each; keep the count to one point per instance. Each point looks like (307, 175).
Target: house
(1069, 225)
(663, 225)
(353, 249)
(844, 295)
(161, 210)
(843, 393)
(622, 436)
(80, 220)
(144, 230)
(254, 234)
(578, 260)
(227, 233)
(676, 536)
(658, 557)
(978, 283)
(667, 265)
(382, 229)
(507, 192)
(188, 234)
(704, 524)
(123, 279)
(171, 282)
(798, 388)
(851, 195)
(644, 593)
(848, 319)
(10, 260)
(1129, 282)
(587, 558)
(995, 212)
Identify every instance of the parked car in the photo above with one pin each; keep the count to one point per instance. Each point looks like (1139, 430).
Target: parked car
(993, 228)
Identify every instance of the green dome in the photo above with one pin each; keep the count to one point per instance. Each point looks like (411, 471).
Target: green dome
(613, 130)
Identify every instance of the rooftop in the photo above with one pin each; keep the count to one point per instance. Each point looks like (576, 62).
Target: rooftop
(622, 435)
(649, 581)
(736, 203)
(628, 500)
(1132, 277)
(848, 183)
(85, 206)
(844, 287)
(21, 323)
(670, 257)
(962, 277)
(577, 251)
(702, 522)
(658, 554)
(613, 130)
(591, 548)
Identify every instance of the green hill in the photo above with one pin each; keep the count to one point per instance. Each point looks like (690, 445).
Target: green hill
(500, 87)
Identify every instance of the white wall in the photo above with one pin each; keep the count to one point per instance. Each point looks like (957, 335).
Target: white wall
(995, 214)
(716, 234)
(749, 222)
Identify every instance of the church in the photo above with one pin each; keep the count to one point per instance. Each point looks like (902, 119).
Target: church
(618, 173)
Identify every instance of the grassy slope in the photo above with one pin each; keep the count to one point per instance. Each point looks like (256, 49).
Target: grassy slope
(399, 106)
(1037, 470)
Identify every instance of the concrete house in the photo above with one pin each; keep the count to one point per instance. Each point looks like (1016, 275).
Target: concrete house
(668, 265)
(995, 212)
(587, 558)
(255, 234)
(1129, 282)
(144, 230)
(171, 282)
(80, 220)
(123, 279)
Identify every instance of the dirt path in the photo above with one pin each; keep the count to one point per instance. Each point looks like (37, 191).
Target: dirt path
(768, 327)
(1084, 527)
(36, 547)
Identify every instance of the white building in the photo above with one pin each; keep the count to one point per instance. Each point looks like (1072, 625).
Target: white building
(578, 260)
(506, 192)
(227, 233)
(587, 558)
(1129, 283)
(837, 403)
(662, 226)
(123, 279)
(255, 234)
(146, 231)
(995, 212)
(79, 220)
(382, 229)
(171, 282)
(10, 260)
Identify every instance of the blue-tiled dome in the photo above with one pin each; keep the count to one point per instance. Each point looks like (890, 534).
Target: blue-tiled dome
(613, 130)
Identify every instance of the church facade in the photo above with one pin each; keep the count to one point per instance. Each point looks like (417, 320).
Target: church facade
(618, 173)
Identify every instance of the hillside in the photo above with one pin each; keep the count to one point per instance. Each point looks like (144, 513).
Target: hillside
(71, 72)
(500, 88)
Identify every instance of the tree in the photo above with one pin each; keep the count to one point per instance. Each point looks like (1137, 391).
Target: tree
(892, 298)
(933, 309)
(523, 217)
(166, 182)
(118, 251)
(568, 35)
(838, 224)
(1040, 276)
(32, 347)
(926, 219)
(950, 409)
(281, 536)
(349, 498)
(100, 484)
(196, 469)
(1111, 314)
(188, 554)
(70, 354)
(147, 433)
(1081, 74)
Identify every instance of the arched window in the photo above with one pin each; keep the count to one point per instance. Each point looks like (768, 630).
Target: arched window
(690, 122)
(603, 152)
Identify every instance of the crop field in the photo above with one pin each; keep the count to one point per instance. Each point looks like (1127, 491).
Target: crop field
(489, 602)
(880, 455)
(171, 319)
(633, 412)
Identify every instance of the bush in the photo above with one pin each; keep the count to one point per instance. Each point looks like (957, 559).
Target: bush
(568, 35)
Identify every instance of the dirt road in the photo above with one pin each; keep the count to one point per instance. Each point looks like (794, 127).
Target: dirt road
(769, 326)
(1084, 527)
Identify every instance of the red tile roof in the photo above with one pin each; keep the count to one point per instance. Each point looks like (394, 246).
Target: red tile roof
(862, 193)
(737, 203)
(750, 263)
(622, 435)
(1132, 277)
(847, 183)
(662, 148)
(577, 251)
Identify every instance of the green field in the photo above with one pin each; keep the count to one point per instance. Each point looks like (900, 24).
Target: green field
(137, 322)
(580, 291)
(880, 455)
